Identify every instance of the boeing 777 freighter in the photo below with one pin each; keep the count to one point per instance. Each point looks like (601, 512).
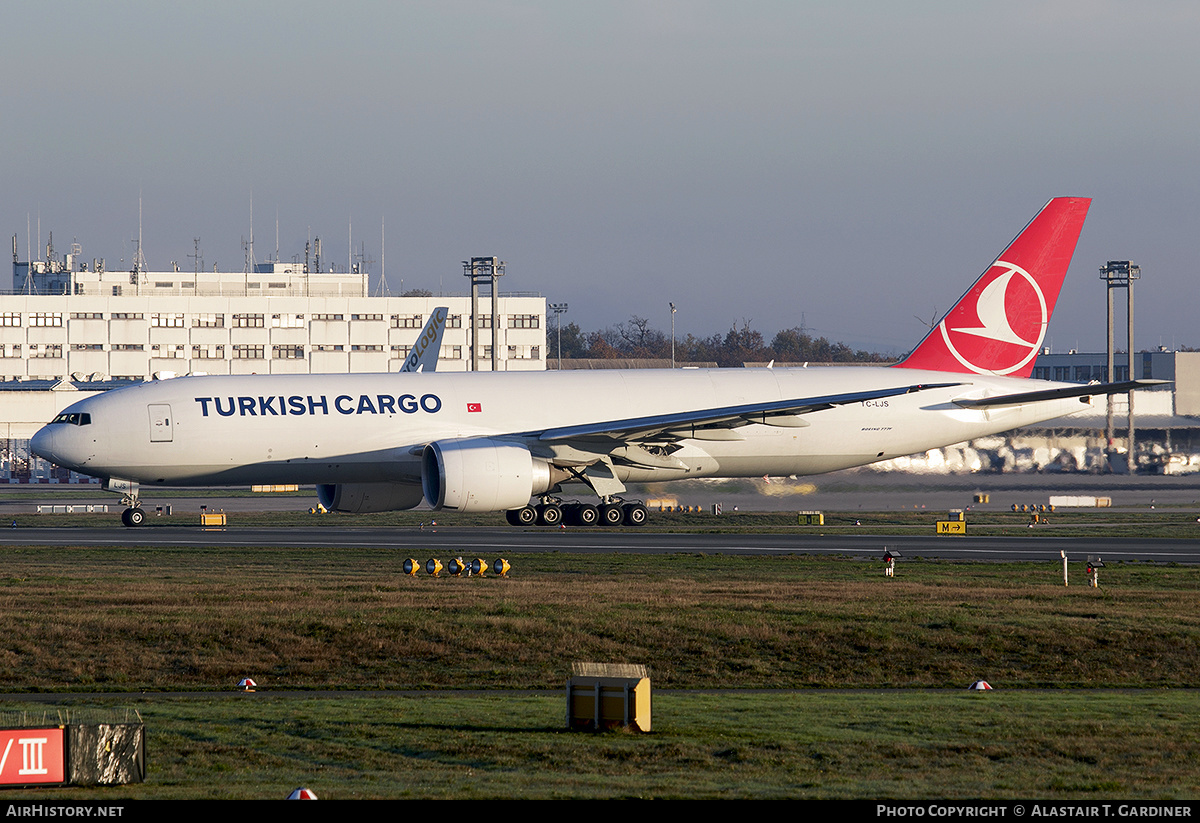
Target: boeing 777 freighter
(499, 442)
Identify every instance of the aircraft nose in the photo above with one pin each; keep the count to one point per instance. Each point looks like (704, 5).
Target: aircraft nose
(42, 444)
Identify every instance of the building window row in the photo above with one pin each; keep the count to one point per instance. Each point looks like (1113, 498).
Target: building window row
(257, 321)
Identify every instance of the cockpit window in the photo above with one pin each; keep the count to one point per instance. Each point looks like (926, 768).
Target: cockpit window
(73, 419)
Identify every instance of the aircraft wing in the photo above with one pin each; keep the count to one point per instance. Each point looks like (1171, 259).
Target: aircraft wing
(1082, 390)
(635, 428)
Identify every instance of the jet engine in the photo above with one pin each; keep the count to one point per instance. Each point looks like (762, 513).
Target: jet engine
(482, 475)
(358, 498)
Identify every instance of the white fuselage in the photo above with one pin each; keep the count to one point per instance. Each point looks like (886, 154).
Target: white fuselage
(370, 428)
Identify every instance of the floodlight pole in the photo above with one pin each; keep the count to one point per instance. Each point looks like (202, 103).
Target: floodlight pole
(1120, 274)
(672, 305)
(559, 310)
(483, 270)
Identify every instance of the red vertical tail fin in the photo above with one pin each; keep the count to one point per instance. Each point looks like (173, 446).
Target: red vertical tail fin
(997, 327)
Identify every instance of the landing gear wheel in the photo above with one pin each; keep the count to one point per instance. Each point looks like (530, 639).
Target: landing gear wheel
(635, 514)
(133, 517)
(586, 514)
(549, 514)
(611, 514)
(524, 516)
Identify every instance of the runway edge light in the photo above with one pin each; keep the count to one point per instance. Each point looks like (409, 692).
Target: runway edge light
(501, 567)
(411, 567)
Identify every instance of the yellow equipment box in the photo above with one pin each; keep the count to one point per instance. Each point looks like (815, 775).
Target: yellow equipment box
(608, 695)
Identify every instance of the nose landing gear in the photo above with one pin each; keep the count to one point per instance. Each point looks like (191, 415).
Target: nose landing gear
(133, 516)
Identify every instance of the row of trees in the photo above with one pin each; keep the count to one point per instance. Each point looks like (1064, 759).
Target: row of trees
(636, 339)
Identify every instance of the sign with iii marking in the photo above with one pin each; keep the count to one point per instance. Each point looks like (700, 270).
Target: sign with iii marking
(31, 756)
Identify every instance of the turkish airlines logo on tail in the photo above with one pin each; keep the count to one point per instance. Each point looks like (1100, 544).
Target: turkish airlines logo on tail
(1001, 330)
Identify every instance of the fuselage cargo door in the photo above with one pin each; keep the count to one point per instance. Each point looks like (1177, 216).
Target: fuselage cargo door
(160, 423)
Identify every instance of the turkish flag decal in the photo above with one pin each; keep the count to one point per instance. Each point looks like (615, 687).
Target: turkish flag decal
(474, 407)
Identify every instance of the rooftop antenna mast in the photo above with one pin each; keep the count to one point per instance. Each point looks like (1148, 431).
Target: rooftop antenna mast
(252, 260)
(383, 284)
(29, 284)
(197, 257)
(139, 259)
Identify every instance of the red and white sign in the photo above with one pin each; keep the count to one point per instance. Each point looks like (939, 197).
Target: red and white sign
(474, 407)
(31, 756)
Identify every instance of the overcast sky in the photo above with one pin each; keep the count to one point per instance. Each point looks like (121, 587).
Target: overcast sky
(848, 165)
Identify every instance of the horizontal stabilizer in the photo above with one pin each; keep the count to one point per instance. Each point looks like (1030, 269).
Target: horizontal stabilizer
(1083, 390)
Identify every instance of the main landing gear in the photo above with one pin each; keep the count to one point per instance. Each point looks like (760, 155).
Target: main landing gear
(553, 512)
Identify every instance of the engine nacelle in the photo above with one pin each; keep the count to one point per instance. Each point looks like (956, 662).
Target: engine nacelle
(481, 475)
(358, 498)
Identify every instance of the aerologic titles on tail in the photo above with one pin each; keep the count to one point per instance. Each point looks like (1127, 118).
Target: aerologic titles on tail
(424, 354)
(997, 327)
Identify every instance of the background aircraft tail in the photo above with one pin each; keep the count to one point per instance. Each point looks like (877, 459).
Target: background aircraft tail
(997, 327)
(424, 354)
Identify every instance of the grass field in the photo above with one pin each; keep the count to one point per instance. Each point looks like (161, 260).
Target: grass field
(1056, 746)
(1094, 686)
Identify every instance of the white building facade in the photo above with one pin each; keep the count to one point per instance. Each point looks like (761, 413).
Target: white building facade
(66, 319)
(133, 338)
(67, 329)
